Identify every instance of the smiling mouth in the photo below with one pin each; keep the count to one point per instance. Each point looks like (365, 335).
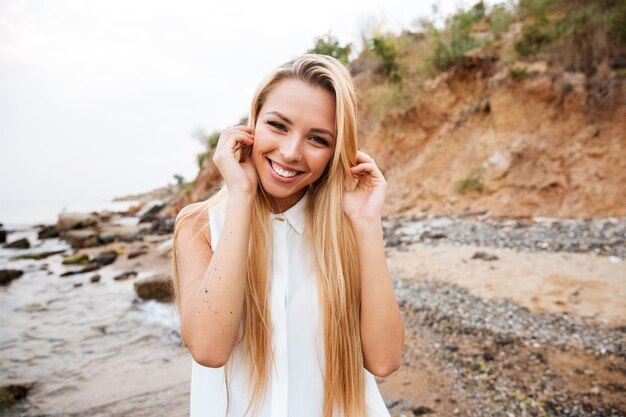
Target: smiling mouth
(283, 172)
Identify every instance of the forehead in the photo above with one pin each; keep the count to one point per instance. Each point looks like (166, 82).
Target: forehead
(302, 103)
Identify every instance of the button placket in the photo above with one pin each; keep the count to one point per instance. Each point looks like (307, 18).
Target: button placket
(278, 298)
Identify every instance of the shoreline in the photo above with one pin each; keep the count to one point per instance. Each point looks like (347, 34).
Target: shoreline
(468, 311)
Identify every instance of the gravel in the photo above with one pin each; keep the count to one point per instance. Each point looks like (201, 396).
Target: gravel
(511, 373)
(606, 236)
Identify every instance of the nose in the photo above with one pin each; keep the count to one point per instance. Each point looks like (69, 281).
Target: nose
(291, 148)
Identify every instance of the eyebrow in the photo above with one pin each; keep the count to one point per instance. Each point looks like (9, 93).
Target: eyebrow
(315, 129)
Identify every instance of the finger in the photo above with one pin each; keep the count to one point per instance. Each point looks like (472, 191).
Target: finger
(230, 132)
(241, 127)
(367, 167)
(232, 144)
(363, 157)
(242, 132)
(234, 139)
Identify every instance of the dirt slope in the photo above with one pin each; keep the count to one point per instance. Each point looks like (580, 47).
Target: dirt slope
(550, 143)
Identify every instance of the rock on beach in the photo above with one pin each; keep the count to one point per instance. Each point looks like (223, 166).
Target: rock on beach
(155, 287)
(8, 275)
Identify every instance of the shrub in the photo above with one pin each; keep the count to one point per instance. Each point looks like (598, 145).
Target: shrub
(180, 180)
(538, 32)
(329, 45)
(579, 34)
(208, 140)
(519, 72)
(201, 157)
(454, 40)
(471, 182)
(385, 49)
(500, 18)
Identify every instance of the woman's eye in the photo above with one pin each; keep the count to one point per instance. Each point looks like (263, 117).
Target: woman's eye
(319, 140)
(277, 125)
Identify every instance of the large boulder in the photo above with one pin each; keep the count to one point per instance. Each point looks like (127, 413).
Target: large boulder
(73, 220)
(112, 233)
(150, 211)
(12, 393)
(47, 232)
(105, 258)
(18, 244)
(83, 238)
(163, 225)
(8, 275)
(155, 287)
(107, 215)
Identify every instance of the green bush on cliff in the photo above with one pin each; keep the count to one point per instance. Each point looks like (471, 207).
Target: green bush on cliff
(519, 72)
(182, 184)
(500, 18)
(542, 26)
(201, 157)
(329, 45)
(471, 182)
(385, 49)
(208, 140)
(454, 40)
(579, 34)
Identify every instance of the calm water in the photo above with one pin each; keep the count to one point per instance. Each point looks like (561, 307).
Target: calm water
(14, 214)
(91, 350)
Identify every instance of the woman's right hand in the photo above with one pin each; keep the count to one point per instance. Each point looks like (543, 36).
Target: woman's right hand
(239, 176)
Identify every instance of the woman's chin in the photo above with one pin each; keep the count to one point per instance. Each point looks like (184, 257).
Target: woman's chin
(282, 192)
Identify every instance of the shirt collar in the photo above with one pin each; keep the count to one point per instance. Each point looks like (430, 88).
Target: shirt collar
(295, 215)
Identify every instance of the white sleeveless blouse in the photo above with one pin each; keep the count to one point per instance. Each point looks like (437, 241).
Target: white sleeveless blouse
(295, 386)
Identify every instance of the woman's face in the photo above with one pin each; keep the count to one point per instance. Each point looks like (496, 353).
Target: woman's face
(294, 139)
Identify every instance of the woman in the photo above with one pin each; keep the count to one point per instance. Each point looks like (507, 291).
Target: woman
(280, 279)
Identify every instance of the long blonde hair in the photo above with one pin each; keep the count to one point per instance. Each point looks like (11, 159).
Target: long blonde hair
(333, 239)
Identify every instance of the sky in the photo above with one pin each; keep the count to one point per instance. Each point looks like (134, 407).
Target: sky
(100, 98)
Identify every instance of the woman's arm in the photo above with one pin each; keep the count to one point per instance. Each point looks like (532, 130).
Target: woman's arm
(212, 284)
(382, 326)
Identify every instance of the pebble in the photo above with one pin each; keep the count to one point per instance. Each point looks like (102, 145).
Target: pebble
(514, 341)
(604, 236)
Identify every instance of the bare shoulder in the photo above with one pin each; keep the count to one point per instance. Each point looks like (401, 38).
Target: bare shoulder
(194, 219)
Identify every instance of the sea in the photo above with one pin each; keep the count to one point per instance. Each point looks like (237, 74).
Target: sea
(87, 348)
(24, 213)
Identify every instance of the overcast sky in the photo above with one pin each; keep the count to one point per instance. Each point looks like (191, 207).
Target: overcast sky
(99, 98)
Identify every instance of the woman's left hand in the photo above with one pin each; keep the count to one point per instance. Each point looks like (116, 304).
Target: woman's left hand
(365, 202)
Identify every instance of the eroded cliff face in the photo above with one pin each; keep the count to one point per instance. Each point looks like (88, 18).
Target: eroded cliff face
(545, 144)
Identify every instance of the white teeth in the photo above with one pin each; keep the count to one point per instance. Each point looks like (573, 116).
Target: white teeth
(282, 172)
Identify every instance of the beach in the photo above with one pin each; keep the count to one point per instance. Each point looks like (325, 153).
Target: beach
(505, 326)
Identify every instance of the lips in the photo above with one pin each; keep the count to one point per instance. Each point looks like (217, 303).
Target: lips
(283, 171)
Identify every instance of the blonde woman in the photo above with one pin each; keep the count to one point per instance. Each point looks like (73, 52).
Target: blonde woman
(285, 299)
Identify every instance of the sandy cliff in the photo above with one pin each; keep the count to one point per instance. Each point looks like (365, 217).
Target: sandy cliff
(548, 144)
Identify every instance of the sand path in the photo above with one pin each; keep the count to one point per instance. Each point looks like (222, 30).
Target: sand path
(582, 285)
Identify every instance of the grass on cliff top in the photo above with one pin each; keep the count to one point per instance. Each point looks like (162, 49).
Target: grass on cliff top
(576, 35)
